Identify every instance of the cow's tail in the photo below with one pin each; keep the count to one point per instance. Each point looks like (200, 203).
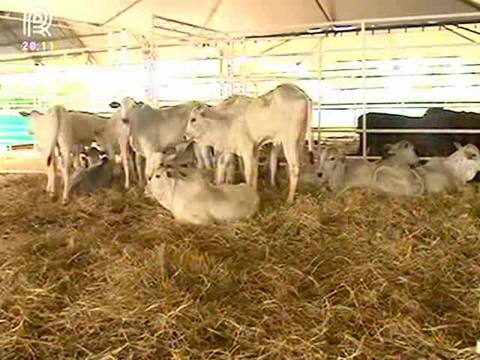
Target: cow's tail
(309, 130)
(55, 113)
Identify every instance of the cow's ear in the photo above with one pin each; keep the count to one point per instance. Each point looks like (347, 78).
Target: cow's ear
(387, 150)
(114, 105)
(457, 145)
(24, 113)
(405, 144)
(169, 172)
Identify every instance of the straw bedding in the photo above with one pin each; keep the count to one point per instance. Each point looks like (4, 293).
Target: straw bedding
(353, 275)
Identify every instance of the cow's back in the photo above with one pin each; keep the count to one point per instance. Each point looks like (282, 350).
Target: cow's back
(84, 126)
(277, 114)
(233, 202)
(158, 128)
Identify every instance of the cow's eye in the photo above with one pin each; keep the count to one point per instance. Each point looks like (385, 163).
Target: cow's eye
(157, 176)
(193, 120)
(332, 158)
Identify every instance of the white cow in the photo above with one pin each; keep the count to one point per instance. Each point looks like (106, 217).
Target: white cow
(193, 200)
(391, 175)
(151, 131)
(241, 124)
(62, 130)
(453, 172)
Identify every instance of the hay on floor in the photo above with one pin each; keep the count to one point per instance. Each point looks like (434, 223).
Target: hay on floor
(356, 275)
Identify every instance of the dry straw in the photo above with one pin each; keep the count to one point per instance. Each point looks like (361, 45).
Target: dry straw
(350, 276)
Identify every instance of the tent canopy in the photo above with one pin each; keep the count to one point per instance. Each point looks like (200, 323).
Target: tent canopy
(85, 24)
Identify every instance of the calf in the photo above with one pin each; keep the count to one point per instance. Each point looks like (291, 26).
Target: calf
(241, 124)
(391, 175)
(94, 177)
(453, 172)
(193, 200)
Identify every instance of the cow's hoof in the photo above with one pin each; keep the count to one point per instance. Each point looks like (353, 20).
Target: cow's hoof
(64, 202)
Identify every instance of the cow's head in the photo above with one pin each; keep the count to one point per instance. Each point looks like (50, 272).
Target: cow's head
(195, 126)
(161, 186)
(465, 161)
(331, 166)
(402, 152)
(200, 121)
(126, 106)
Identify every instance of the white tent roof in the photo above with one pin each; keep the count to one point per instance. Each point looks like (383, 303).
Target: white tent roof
(250, 16)
(238, 17)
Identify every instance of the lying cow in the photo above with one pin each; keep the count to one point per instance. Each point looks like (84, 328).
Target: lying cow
(94, 177)
(193, 200)
(151, 131)
(241, 124)
(392, 174)
(62, 130)
(453, 172)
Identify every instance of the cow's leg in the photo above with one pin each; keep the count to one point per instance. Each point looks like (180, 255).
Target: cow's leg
(207, 157)
(197, 151)
(66, 169)
(51, 173)
(223, 160)
(292, 154)
(140, 168)
(251, 169)
(125, 163)
(275, 151)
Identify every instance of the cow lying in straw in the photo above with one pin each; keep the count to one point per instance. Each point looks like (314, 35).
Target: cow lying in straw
(193, 200)
(94, 175)
(452, 172)
(391, 174)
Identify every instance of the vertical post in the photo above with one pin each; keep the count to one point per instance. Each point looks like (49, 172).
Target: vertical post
(221, 71)
(364, 86)
(319, 75)
(151, 65)
(230, 79)
(243, 66)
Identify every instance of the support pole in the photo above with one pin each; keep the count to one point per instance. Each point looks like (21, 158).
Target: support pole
(243, 66)
(364, 86)
(319, 75)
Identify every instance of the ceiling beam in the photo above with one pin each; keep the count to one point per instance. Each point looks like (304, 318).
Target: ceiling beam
(324, 10)
(458, 34)
(73, 36)
(468, 29)
(120, 12)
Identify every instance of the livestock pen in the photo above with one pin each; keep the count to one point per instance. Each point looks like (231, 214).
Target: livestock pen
(353, 275)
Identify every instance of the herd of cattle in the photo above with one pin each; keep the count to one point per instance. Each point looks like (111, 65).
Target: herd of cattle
(151, 143)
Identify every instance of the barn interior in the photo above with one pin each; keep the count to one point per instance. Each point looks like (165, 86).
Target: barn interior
(350, 275)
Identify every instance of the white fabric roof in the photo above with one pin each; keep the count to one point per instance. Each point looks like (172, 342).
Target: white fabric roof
(238, 17)
(252, 16)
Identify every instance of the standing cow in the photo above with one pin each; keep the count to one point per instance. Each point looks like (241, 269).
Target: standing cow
(151, 131)
(62, 130)
(241, 124)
